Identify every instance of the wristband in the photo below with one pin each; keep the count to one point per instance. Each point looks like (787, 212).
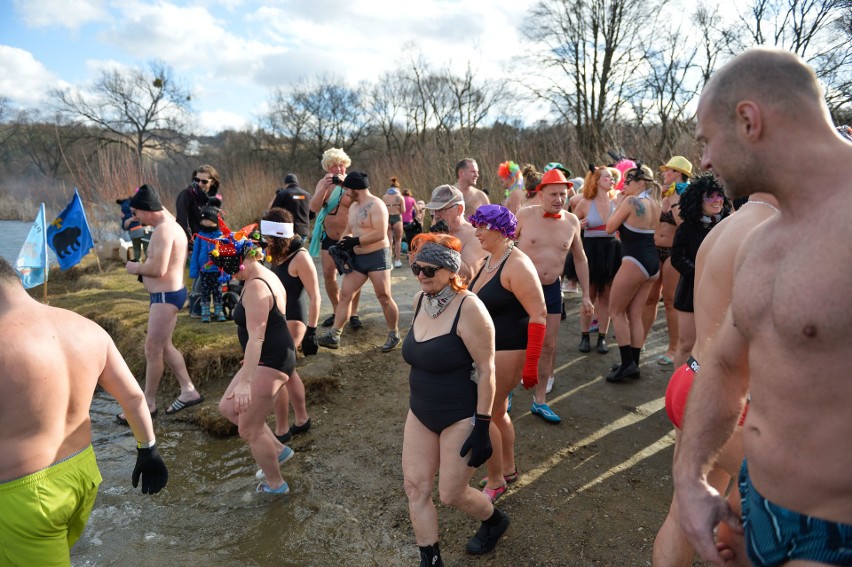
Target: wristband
(147, 445)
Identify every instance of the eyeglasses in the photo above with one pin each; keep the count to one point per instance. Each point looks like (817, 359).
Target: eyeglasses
(715, 197)
(202, 181)
(133, 212)
(428, 271)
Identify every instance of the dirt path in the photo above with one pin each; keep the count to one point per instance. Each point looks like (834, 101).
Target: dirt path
(593, 490)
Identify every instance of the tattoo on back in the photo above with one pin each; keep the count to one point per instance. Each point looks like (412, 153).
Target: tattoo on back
(639, 206)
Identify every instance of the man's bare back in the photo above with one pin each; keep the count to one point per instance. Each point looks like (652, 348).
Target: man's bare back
(473, 199)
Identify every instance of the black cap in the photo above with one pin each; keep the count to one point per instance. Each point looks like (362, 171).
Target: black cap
(146, 199)
(356, 180)
(291, 179)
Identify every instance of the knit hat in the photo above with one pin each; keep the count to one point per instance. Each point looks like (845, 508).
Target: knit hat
(146, 199)
(356, 180)
(495, 217)
(553, 177)
(291, 179)
(444, 196)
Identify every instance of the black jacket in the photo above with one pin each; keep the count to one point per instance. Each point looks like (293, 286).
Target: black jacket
(297, 201)
(687, 240)
(188, 209)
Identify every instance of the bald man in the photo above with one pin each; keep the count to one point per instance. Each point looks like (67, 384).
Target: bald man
(785, 339)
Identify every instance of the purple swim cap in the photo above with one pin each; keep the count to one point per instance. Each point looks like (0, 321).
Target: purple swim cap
(495, 217)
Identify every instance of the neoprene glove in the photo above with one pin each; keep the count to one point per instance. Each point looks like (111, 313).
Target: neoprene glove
(309, 342)
(535, 340)
(478, 442)
(347, 243)
(153, 470)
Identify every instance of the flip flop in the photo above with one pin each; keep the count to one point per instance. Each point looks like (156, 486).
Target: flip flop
(123, 421)
(664, 360)
(179, 405)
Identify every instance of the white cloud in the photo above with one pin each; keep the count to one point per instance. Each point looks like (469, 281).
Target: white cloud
(214, 121)
(23, 78)
(59, 13)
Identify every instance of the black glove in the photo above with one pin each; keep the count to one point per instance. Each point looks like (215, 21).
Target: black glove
(478, 442)
(153, 470)
(347, 243)
(309, 342)
(440, 226)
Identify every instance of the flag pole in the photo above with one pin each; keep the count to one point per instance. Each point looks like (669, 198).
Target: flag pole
(46, 260)
(94, 248)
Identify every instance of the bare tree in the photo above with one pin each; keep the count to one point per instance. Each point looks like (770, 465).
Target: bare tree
(47, 141)
(143, 109)
(594, 47)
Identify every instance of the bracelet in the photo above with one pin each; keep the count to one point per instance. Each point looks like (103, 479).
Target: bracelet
(148, 445)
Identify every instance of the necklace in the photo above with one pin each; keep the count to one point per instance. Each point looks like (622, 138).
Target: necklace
(435, 304)
(489, 268)
(770, 205)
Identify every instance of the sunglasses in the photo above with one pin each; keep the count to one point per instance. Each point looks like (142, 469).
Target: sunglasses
(202, 181)
(428, 271)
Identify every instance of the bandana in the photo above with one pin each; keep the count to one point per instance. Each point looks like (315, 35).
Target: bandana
(277, 229)
(495, 217)
(435, 304)
(437, 255)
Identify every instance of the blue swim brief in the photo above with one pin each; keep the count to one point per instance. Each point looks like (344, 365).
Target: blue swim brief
(553, 297)
(776, 535)
(176, 298)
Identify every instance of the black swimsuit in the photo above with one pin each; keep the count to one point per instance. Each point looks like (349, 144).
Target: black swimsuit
(278, 350)
(441, 390)
(297, 299)
(509, 316)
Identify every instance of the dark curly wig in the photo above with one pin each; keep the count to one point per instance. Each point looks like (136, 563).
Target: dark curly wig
(279, 248)
(692, 200)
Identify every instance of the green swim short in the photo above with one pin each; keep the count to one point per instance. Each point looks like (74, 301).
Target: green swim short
(45, 512)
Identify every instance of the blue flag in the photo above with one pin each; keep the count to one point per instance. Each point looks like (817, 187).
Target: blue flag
(69, 235)
(31, 264)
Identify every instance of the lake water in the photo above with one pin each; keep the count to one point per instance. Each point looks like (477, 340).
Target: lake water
(14, 233)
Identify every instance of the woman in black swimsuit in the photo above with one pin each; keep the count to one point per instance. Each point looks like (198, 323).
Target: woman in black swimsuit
(269, 354)
(293, 265)
(509, 287)
(636, 219)
(446, 431)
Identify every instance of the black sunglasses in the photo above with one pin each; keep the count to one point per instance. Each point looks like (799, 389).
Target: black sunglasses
(428, 271)
(202, 181)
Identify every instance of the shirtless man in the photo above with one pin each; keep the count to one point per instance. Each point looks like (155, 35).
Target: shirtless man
(467, 174)
(447, 204)
(788, 324)
(52, 361)
(546, 233)
(331, 206)
(367, 237)
(714, 280)
(395, 203)
(162, 275)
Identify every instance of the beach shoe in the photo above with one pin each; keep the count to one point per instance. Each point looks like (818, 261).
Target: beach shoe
(602, 346)
(509, 405)
(123, 420)
(304, 428)
(486, 537)
(179, 405)
(286, 437)
(665, 360)
(328, 340)
(585, 344)
(397, 264)
(620, 373)
(329, 321)
(264, 488)
(391, 343)
(509, 478)
(285, 455)
(544, 412)
(355, 322)
(494, 493)
(550, 382)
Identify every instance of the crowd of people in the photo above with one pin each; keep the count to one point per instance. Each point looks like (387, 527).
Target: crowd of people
(766, 408)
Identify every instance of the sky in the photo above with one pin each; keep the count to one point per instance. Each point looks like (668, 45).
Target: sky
(232, 54)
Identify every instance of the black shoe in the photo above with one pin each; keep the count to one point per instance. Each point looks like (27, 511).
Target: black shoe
(328, 340)
(585, 345)
(328, 322)
(620, 373)
(602, 348)
(286, 437)
(486, 537)
(304, 428)
(392, 342)
(355, 322)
